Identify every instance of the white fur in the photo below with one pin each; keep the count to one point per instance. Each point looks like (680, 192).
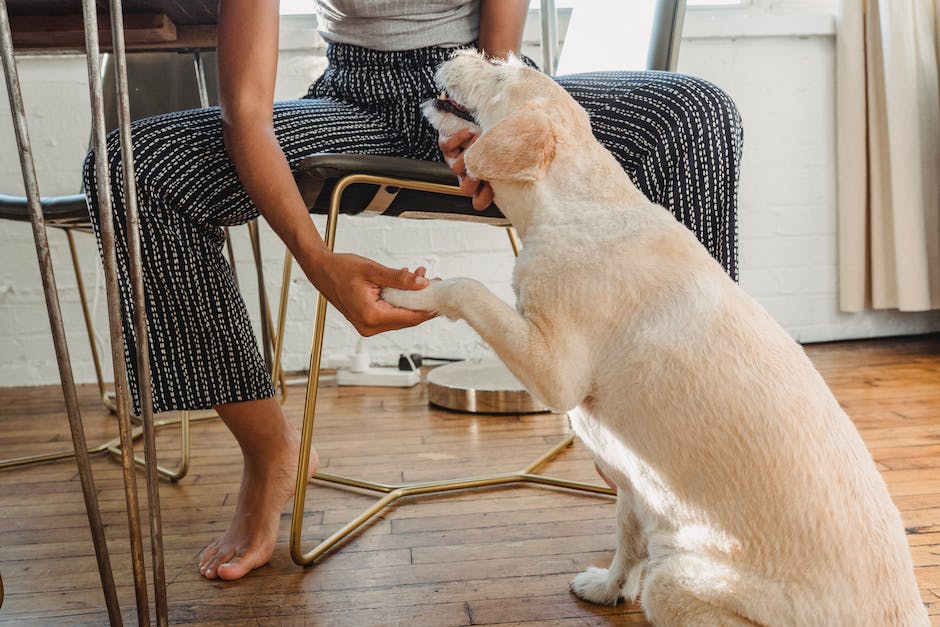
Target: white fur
(745, 494)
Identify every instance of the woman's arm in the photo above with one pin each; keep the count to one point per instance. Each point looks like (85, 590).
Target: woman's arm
(247, 56)
(501, 26)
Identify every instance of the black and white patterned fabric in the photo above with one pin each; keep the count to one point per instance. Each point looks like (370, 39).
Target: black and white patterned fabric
(678, 137)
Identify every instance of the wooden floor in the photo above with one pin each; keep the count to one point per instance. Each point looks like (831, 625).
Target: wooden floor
(503, 556)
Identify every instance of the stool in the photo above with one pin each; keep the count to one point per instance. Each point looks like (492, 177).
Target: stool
(404, 188)
(151, 74)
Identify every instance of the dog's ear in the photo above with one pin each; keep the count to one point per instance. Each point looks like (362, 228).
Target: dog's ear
(520, 148)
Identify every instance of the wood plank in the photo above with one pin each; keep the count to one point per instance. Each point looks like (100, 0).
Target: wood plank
(68, 31)
(188, 37)
(180, 11)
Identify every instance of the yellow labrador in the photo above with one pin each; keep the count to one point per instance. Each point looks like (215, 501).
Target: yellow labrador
(745, 494)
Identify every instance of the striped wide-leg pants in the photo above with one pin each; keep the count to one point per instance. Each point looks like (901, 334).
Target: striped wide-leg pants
(678, 137)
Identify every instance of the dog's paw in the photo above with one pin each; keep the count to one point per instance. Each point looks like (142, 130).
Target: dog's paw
(440, 297)
(596, 585)
(416, 300)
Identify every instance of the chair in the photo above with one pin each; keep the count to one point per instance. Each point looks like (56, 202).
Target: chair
(357, 184)
(161, 82)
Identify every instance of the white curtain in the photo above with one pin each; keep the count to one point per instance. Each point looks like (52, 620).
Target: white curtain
(888, 120)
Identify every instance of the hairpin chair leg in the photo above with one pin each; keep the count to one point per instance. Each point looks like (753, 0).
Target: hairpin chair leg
(182, 466)
(266, 343)
(277, 370)
(185, 418)
(135, 262)
(90, 27)
(89, 323)
(393, 492)
(231, 254)
(112, 446)
(310, 401)
(268, 337)
(277, 373)
(54, 311)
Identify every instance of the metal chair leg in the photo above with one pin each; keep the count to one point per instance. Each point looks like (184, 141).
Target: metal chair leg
(182, 466)
(31, 185)
(277, 373)
(277, 370)
(173, 474)
(268, 336)
(113, 446)
(393, 492)
(102, 175)
(310, 402)
(266, 343)
(89, 323)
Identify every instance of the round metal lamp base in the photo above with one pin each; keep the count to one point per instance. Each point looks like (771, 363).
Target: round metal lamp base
(480, 386)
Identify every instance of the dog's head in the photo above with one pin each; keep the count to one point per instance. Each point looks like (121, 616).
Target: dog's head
(519, 113)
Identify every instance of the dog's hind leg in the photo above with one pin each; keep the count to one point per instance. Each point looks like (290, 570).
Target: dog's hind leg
(676, 595)
(607, 586)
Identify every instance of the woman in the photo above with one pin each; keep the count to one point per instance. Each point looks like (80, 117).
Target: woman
(201, 170)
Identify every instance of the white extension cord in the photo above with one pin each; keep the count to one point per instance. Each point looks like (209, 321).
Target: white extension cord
(378, 376)
(361, 372)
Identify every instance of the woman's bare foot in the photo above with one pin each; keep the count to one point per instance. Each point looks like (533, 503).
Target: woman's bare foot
(270, 449)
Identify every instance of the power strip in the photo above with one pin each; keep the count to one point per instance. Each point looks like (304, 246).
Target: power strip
(379, 377)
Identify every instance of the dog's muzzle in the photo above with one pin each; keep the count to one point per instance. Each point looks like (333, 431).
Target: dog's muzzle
(446, 104)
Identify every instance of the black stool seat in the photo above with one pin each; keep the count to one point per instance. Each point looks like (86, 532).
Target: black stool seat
(68, 211)
(318, 174)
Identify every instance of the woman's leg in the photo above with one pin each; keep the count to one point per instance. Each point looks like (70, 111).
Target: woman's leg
(203, 352)
(679, 138)
(270, 447)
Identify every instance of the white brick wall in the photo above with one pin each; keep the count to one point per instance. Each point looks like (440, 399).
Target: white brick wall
(779, 67)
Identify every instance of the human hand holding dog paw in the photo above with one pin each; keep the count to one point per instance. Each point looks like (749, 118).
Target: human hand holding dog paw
(353, 284)
(453, 147)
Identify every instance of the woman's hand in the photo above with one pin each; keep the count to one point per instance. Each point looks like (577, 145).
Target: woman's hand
(501, 26)
(453, 147)
(352, 284)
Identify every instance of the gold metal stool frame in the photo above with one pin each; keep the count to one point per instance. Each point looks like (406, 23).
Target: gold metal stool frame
(185, 418)
(69, 223)
(391, 492)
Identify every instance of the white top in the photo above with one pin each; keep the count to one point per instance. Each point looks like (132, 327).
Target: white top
(399, 24)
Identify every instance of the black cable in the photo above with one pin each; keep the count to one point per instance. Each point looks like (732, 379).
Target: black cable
(415, 361)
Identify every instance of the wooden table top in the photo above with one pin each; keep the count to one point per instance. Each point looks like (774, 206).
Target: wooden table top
(56, 25)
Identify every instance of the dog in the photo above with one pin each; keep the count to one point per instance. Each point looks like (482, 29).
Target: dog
(745, 495)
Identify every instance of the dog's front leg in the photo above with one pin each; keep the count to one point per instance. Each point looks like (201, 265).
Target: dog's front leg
(607, 586)
(545, 363)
